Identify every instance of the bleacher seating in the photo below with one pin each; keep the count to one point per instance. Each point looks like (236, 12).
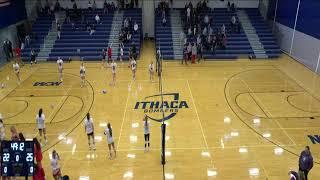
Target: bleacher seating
(40, 29)
(163, 36)
(263, 30)
(136, 16)
(237, 43)
(79, 42)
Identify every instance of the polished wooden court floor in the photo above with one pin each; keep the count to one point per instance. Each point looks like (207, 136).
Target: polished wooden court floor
(240, 119)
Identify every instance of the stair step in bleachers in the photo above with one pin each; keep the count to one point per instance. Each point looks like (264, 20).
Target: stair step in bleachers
(40, 29)
(163, 35)
(264, 33)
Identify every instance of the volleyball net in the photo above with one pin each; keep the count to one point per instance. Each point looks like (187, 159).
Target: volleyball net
(159, 61)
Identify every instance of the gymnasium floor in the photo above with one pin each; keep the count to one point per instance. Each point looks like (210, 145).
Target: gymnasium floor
(241, 119)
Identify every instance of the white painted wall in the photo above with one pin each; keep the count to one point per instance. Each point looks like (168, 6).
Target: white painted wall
(300, 46)
(284, 35)
(306, 49)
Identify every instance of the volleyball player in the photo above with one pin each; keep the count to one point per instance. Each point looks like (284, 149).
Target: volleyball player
(2, 130)
(37, 152)
(82, 74)
(146, 127)
(104, 54)
(60, 68)
(133, 68)
(89, 129)
(32, 57)
(108, 133)
(113, 70)
(41, 125)
(14, 134)
(151, 71)
(16, 69)
(56, 171)
(121, 53)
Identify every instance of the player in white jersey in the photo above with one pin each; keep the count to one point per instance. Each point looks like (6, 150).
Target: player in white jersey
(89, 129)
(40, 118)
(60, 68)
(16, 69)
(133, 65)
(151, 71)
(146, 129)
(108, 133)
(121, 53)
(113, 70)
(82, 74)
(56, 171)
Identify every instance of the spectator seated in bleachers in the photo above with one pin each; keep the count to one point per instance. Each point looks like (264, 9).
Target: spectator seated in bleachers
(47, 6)
(94, 5)
(75, 7)
(73, 26)
(163, 7)
(233, 24)
(93, 29)
(52, 9)
(126, 24)
(108, 7)
(89, 5)
(188, 14)
(201, 5)
(233, 7)
(87, 26)
(97, 18)
(57, 6)
(68, 15)
(59, 30)
(164, 21)
(27, 40)
(135, 27)
(189, 31)
(129, 36)
(223, 29)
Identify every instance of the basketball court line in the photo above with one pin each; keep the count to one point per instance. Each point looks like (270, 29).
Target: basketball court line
(285, 132)
(124, 115)
(272, 141)
(197, 114)
(159, 149)
(254, 99)
(306, 89)
(32, 72)
(67, 93)
(264, 169)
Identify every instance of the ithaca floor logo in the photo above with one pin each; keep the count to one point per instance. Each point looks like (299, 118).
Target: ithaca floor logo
(172, 107)
(47, 83)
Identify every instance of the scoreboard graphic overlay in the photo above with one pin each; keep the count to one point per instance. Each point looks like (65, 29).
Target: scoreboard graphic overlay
(17, 158)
